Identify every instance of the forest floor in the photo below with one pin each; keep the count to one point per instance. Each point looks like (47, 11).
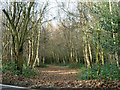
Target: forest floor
(57, 76)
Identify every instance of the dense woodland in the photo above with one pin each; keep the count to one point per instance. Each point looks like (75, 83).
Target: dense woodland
(82, 34)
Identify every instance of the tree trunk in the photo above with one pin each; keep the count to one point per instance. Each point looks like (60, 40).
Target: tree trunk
(76, 57)
(102, 57)
(29, 57)
(97, 53)
(71, 55)
(32, 51)
(90, 53)
(83, 46)
(86, 56)
(86, 52)
(64, 60)
(116, 58)
(37, 50)
(20, 59)
(43, 59)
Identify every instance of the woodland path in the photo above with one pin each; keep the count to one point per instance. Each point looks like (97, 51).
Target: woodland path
(57, 76)
(56, 73)
(50, 76)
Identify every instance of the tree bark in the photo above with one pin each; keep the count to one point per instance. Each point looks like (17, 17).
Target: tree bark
(29, 57)
(20, 59)
(90, 52)
(86, 52)
(37, 50)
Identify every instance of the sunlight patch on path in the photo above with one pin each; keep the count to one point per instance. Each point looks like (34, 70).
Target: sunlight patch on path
(69, 73)
(62, 72)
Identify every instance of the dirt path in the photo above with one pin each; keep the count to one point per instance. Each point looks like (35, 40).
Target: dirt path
(57, 73)
(56, 76)
(53, 75)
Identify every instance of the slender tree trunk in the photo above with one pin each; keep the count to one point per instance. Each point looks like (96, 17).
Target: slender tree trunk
(44, 52)
(116, 58)
(86, 56)
(71, 55)
(43, 59)
(76, 57)
(13, 52)
(86, 52)
(71, 47)
(97, 52)
(90, 53)
(97, 48)
(32, 46)
(29, 57)
(102, 57)
(83, 46)
(37, 50)
(64, 60)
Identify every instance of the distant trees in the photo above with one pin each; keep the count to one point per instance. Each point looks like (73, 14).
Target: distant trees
(99, 28)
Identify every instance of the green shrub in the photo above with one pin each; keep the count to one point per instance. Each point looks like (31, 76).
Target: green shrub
(108, 72)
(27, 71)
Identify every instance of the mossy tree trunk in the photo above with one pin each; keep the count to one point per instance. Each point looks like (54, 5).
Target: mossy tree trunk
(18, 36)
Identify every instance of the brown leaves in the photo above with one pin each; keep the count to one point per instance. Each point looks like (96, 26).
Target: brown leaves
(52, 77)
(20, 78)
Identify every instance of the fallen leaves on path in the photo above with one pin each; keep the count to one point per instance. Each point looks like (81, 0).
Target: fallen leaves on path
(55, 76)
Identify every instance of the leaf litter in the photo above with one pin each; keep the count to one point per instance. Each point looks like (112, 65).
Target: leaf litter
(56, 76)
